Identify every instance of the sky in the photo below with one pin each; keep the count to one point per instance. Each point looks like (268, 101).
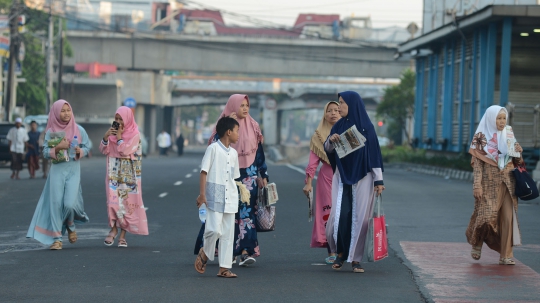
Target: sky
(384, 13)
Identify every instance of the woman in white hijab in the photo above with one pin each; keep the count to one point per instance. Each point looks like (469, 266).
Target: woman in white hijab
(494, 151)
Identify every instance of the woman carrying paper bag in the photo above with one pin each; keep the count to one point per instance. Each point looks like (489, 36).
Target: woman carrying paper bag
(357, 180)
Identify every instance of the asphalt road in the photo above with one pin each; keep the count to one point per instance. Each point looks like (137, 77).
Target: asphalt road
(424, 213)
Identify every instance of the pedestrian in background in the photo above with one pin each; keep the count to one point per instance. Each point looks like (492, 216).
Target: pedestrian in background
(252, 174)
(357, 181)
(17, 138)
(125, 207)
(44, 160)
(218, 191)
(164, 142)
(61, 205)
(323, 197)
(495, 206)
(33, 150)
(180, 144)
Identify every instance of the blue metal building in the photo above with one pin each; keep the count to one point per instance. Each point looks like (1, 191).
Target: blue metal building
(491, 56)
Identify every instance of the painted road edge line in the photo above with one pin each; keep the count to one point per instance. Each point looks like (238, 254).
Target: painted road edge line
(303, 172)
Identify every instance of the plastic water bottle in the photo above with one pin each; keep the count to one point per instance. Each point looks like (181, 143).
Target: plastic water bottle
(202, 213)
(74, 143)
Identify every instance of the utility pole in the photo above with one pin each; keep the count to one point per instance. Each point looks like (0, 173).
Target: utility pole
(60, 58)
(12, 60)
(50, 60)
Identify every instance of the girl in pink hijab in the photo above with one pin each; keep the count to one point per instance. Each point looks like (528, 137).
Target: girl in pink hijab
(61, 205)
(253, 174)
(125, 207)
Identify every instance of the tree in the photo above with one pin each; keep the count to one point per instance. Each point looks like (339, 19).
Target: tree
(397, 105)
(33, 92)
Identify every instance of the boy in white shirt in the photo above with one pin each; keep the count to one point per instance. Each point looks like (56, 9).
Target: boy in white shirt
(219, 192)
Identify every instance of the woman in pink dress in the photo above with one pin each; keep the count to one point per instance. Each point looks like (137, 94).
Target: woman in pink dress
(125, 206)
(323, 195)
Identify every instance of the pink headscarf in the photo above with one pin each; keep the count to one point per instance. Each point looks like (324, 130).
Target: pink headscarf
(55, 124)
(250, 132)
(130, 126)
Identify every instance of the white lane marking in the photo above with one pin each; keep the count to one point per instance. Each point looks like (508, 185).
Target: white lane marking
(162, 195)
(178, 183)
(156, 251)
(318, 264)
(146, 208)
(195, 170)
(303, 172)
(188, 176)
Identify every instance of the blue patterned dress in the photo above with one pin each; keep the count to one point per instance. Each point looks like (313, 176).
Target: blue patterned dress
(245, 231)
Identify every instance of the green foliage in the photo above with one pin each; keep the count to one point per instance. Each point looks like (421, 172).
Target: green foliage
(398, 103)
(407, 154)
(33, 92)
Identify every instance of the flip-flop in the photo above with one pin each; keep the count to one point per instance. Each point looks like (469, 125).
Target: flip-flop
(227, 274)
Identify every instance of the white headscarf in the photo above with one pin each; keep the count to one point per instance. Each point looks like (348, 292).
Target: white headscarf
(489, 141)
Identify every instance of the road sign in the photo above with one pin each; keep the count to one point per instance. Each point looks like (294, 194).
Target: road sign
(130, 102)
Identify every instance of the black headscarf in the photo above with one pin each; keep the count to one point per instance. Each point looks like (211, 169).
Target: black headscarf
(356, 165)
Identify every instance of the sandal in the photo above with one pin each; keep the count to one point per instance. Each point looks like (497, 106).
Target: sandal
(109, 240)
(330, 259)
(227, 274)
(72, 236)
(357, 268)
(476, 252)
(246, 260)
(200, 264)
(57, 245)
(507, 261)
(338, 263)
(122, 242)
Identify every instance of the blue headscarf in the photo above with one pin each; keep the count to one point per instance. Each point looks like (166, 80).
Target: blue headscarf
(356, 165)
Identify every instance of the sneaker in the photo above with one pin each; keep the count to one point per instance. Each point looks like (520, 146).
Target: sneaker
(246, 260)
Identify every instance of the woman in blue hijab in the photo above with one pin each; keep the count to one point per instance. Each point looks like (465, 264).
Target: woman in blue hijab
(357, 180)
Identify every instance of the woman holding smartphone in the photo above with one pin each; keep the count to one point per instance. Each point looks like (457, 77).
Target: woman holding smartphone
(122, 146)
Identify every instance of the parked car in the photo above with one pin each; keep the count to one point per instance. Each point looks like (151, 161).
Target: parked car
(5, 154)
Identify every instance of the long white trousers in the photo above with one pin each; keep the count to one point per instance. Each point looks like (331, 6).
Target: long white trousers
(219, 226)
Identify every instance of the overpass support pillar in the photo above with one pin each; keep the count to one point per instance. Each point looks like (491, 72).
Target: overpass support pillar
(270, 126)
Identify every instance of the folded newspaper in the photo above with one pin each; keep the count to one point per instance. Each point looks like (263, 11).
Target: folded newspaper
(310, 206)
(351, 140)
(268, 195)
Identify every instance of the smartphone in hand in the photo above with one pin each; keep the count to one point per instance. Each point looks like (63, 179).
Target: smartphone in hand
(115, 125)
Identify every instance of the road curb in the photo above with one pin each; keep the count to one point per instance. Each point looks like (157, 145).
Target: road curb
(447, 173)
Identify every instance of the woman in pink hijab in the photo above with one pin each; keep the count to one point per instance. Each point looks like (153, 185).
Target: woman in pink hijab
(122, 146)
(61, 205)
(253, 174)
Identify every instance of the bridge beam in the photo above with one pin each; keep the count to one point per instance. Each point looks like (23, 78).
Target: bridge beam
(280, 57)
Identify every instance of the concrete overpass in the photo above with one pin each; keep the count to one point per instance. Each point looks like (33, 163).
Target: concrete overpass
(234, 55)
(95, 100)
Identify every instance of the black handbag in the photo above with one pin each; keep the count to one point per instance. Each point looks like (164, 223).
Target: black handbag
(525, 186)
